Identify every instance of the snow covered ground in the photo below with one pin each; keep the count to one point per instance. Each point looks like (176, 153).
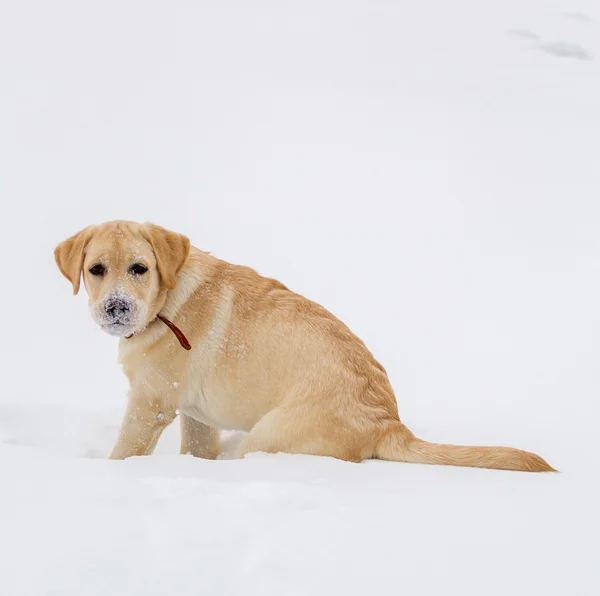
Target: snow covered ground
(429, 171)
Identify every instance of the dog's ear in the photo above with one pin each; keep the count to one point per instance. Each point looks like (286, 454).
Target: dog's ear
(171, 251)
(69, 256)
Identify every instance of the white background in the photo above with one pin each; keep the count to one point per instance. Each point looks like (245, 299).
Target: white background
(428, 171)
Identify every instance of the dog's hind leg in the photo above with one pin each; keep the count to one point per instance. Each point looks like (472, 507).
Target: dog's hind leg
(291, 429)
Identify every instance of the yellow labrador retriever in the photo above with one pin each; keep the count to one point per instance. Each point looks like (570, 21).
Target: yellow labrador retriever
(229, 349)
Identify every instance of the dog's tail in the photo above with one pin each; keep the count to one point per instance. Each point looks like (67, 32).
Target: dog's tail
(399, 444)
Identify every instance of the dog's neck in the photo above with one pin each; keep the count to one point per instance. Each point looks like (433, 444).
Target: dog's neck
(192, 274)
(183, 340)
(170, 302)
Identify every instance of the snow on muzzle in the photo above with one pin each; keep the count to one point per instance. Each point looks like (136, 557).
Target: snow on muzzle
(119, 314)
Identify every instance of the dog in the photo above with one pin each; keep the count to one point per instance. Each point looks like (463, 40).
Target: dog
(228, 349)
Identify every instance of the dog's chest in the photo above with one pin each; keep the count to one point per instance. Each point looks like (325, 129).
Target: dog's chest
(210, 407)
(210, 396)
(199, 381)
(206, 395)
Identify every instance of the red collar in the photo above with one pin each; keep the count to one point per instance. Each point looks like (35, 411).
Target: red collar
(183, 340)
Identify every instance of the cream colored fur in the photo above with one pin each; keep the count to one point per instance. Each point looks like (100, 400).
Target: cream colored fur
(264, 359)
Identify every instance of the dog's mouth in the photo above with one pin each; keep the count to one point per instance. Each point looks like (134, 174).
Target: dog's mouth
(118, 314)
(118, 328)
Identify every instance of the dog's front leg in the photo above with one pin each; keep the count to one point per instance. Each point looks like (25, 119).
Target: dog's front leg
(197, 439)
(144, 421)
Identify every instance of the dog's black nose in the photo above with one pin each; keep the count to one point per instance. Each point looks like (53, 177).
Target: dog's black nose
(115, 307)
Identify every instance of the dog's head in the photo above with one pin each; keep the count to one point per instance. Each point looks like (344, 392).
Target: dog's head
(127, 270)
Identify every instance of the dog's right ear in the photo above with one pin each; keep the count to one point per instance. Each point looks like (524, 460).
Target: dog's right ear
(69, 256)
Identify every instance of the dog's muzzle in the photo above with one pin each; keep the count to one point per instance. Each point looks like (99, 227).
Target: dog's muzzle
(118, 309)
(118, 314)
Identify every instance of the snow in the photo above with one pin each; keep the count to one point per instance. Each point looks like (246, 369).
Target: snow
(427, 171)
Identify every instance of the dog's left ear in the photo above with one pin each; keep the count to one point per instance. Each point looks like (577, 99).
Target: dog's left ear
(69, 256)
(171, 251)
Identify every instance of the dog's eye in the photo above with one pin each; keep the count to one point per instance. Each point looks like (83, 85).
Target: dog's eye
(97, 270)
(138, 269)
